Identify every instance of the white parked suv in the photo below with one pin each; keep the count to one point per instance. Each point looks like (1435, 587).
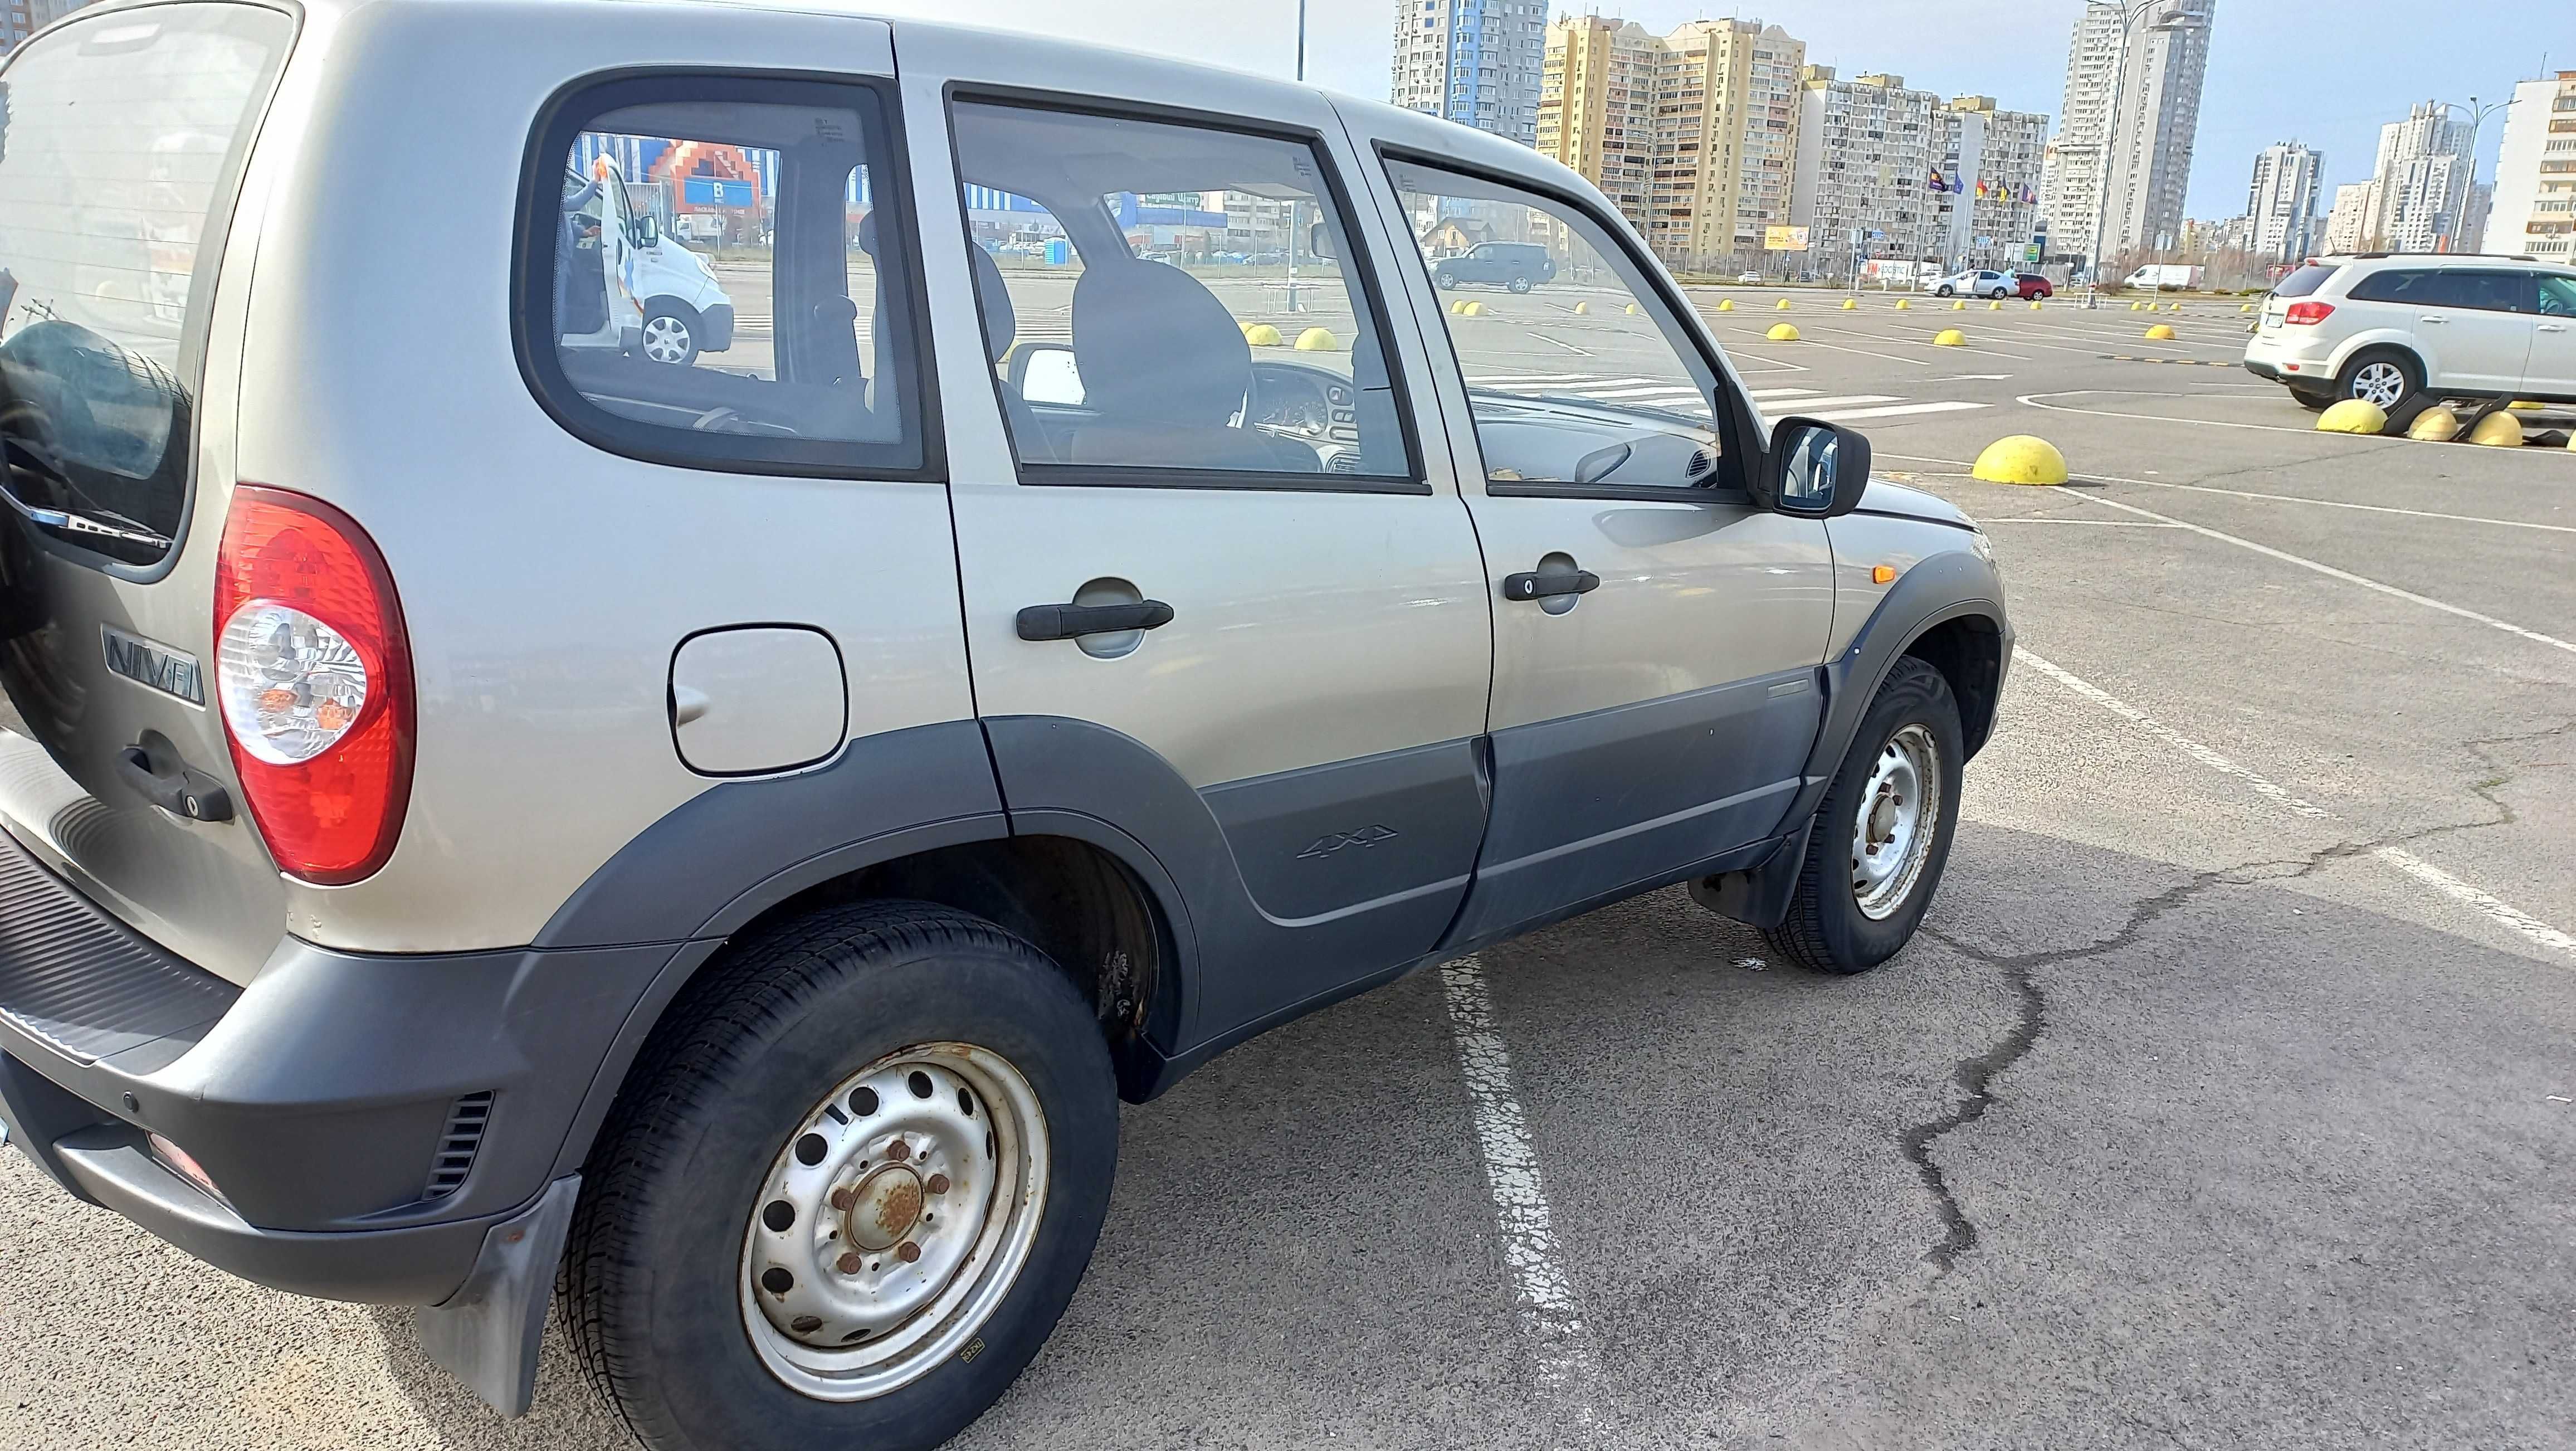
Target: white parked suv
(2401, 330)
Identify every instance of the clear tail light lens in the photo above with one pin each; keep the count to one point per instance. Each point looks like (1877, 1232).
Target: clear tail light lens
(313, 675)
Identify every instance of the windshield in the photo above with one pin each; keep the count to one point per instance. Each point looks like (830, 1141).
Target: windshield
(120, 142)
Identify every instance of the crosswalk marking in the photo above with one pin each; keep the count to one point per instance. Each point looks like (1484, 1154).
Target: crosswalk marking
(1853, 400)
(1670, 396)
(1853, 415)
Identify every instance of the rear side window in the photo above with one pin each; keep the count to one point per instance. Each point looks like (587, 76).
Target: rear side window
(2305, 281)
(2489, 291)
(718, 272)
(121, 145)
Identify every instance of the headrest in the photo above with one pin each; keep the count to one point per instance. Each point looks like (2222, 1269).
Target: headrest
(1001, 320)
(1152, 342)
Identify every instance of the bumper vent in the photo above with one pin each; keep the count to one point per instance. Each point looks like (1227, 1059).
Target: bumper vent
(458, 1145)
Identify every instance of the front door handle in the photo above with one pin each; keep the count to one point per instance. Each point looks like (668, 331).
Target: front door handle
(1064, 622)
(1541, 586)
(2434, 320)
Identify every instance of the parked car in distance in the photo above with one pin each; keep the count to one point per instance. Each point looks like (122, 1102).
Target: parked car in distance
(1748, 279)
(1975, 284)
(1516, 266)
(2400, 331)
(2165, 277)
(2031, 286)
(514, 843)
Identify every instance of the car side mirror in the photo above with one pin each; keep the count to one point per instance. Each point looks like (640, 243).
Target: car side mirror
(1816, 469)
(1319, 240)
(647, 232)
(1046, 373)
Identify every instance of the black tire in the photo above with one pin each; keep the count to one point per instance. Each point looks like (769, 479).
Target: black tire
(1826, 930)
(1445, 280)
(1519, 284)
(667, 320)
(2351, 382)
(2313, 402)
(1943, 291)
(650, 1283)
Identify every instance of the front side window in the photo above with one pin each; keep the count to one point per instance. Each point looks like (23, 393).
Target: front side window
(2558, 296)
(1168, 303)
(726, 278)
(1587, 381)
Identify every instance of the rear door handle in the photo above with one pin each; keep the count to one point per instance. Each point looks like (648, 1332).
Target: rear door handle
(172, 785)
(1541, 586)
(1064, 622)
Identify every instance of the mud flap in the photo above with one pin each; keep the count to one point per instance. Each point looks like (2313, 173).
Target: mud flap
(1759, 896)
(487, 1333)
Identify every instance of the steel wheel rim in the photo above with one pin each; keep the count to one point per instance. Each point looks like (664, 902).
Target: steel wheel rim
(666, 339)
(853, 1317)
(1893, 827)
(2379, 383)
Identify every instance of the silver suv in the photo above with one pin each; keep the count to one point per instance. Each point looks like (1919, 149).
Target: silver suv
(482, 797)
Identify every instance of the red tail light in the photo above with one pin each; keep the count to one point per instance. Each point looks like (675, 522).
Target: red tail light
(2308, 314)
(313, 675)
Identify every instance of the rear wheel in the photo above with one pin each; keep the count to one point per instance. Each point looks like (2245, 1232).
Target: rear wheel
(1520, 284)
(849, 1190)
(1882, 836)
(2386, 378)
(1445, 280)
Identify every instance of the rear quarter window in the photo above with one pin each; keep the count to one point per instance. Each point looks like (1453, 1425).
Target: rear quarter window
(122, 138)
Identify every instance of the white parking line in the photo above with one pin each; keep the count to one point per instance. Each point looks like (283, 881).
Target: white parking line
(2477, 899)
(2329, 571)
(1853, 415)
(1544, 1302)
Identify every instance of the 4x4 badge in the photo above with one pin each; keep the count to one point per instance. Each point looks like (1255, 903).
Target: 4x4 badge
(1332, 842)
(172, 672)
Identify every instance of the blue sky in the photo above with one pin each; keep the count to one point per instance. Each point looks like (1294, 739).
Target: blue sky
(2327, 72)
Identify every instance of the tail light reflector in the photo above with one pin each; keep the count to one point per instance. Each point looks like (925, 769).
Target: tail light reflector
(2308, 314)
(313, 674)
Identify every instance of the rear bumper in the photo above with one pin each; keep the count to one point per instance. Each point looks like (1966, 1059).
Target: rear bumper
(365, 1120)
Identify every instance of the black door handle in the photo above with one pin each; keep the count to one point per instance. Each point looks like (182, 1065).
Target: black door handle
(1064, 622)
(1540, 586)
(176, 789)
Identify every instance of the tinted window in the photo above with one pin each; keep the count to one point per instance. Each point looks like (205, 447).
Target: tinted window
(2558, 296)
(1595, 382)
(726, 280)
(2487, 291)
(1165, 300)
(2418, 288)
(2305, 281)
(120, 141)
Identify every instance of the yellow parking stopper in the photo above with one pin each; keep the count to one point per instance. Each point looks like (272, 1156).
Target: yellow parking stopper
(1724, 304)
(2525, 405)
(1904, 304)
(1472, 309)
(2020, 459)
(1634, 309)
(2353, 415)
(1851, 304)
(1582, 308)
(2133, 307)
(2435, 425)
(1784, 304)
(2160, 333)
(1318, 340)
(2034, 304)
(1995, 306)
(1950, 337)
(1781, 332)
(2248, 307)
(1457, 307)
(1960, 306)
(2499, 429)
(1261, 335)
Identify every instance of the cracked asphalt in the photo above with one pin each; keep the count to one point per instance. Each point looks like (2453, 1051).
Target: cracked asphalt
(2225, 1100)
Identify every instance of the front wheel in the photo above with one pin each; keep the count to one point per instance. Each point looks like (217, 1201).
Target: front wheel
(1445, 281)
(1882, 836)
(849, 1190)
(670, 338)
(1943, 292)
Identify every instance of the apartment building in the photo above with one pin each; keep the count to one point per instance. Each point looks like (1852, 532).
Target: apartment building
(2281, 205)
(2348, 224)
(2535, 185)
(1475, 62)
(2422, 176)
(1866, 147)
(22, 18)
(1596, 107)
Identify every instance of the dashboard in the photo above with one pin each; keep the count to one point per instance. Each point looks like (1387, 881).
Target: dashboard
(1312, 406)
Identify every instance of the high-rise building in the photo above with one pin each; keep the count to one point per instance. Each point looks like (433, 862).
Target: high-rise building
(1694, 134)
(22, 18)
(1992, 160)
(2131, 169)
(2282, 203)
(1866, 147)
(1596, 105)
(1473, 61)
(2422, 178)
(2535, 185)
(2348, 225)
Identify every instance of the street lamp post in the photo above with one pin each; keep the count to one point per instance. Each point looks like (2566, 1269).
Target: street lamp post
(2172, 21)
(2478, 115)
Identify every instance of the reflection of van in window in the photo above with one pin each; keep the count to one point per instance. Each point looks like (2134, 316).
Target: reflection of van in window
(642, 292)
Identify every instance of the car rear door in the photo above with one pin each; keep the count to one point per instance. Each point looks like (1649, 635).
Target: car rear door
(1656, 633)
(1223, 604)
(2552, 368)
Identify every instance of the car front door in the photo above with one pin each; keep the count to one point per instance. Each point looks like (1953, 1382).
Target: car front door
(1226, 614)
(1656, 633)
(2552, 368)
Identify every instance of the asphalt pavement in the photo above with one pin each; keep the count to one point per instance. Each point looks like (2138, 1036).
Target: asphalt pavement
(2228, 1098)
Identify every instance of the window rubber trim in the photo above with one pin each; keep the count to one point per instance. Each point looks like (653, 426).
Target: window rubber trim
(561, 119)
(1119, 476)
(1734, 425)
